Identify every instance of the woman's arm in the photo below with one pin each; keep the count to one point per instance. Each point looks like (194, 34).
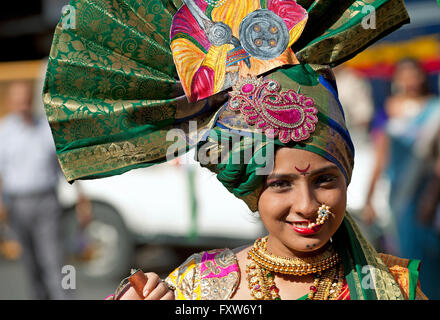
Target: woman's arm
(381, 143)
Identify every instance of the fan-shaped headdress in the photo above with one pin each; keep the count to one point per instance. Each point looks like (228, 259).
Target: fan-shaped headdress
(122, 74)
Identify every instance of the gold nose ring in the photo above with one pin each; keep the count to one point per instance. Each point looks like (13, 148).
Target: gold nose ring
(323, 215)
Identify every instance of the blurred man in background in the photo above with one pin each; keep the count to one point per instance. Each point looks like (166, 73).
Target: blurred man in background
(29, 173)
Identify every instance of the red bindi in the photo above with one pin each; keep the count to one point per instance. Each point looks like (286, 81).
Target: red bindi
(303, 171)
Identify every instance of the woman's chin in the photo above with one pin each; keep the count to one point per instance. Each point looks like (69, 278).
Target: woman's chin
(298, 242)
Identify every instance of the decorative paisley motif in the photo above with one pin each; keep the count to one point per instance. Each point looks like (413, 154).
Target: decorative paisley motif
(288, 114)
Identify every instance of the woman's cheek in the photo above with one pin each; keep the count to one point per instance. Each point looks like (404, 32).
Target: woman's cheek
(272, 207)
(274, 202)
(339, 205)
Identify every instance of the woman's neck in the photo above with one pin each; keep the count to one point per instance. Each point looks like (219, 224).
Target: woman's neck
(277, 248)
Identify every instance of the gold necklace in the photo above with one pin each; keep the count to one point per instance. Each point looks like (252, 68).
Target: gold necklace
(296, 266)
(261, 283)
(327, 284)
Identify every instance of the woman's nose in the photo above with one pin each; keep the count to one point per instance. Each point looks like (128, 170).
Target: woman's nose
(305, 203)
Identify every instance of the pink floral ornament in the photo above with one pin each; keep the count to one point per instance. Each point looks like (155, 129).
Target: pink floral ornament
(288, 114)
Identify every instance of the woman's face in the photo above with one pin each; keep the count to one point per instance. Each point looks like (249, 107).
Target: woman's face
(409, 79)
(299, 184)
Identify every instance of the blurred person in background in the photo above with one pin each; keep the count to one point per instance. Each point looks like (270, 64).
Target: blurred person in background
(29, 173)
(355, 94)
(408, 150)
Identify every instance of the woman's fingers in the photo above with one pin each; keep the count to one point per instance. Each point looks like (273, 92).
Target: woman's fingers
(152, 281)
(130, 294)
(154, 289)
(158, 292)
(168, 296)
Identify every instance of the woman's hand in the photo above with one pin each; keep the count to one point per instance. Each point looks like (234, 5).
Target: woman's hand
(154, 289)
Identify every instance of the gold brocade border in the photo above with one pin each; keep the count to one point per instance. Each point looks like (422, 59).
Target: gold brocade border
(103, 158)
(142, 111)
(399, 270)
(384, 283)
(357, 281)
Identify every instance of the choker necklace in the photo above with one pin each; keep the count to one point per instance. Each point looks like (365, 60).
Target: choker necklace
(327, 284)
(292, 266)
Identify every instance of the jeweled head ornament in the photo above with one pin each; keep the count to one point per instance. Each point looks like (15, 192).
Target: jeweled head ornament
(288, 115)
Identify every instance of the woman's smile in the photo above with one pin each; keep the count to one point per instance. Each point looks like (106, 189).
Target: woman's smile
(302, 227)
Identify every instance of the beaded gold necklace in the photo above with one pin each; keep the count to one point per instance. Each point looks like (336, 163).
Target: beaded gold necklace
(263, 266)
(296, 266)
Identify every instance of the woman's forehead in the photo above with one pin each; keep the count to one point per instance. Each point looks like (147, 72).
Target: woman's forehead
(290, 159)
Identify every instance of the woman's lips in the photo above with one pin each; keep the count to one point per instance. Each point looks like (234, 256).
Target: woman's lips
(302, 227)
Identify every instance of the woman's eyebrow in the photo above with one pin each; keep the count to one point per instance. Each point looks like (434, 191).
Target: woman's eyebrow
(295, 176)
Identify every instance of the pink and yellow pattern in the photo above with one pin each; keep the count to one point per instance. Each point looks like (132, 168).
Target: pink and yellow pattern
(208, 275)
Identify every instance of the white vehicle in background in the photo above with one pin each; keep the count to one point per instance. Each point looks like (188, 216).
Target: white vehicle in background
(153, 206)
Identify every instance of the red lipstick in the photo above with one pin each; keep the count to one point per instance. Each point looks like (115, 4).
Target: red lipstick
(305, 230)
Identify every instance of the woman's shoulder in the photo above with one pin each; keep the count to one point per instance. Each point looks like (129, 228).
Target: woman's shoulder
(406, 274)
(212, 274)
(215, 257)
(210, 256)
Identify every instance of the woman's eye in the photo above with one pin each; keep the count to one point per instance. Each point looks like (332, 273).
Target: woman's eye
(327, 178)
(279, 184)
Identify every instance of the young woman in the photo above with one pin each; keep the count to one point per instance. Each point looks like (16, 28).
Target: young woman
(301, 185)
(290, 117)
